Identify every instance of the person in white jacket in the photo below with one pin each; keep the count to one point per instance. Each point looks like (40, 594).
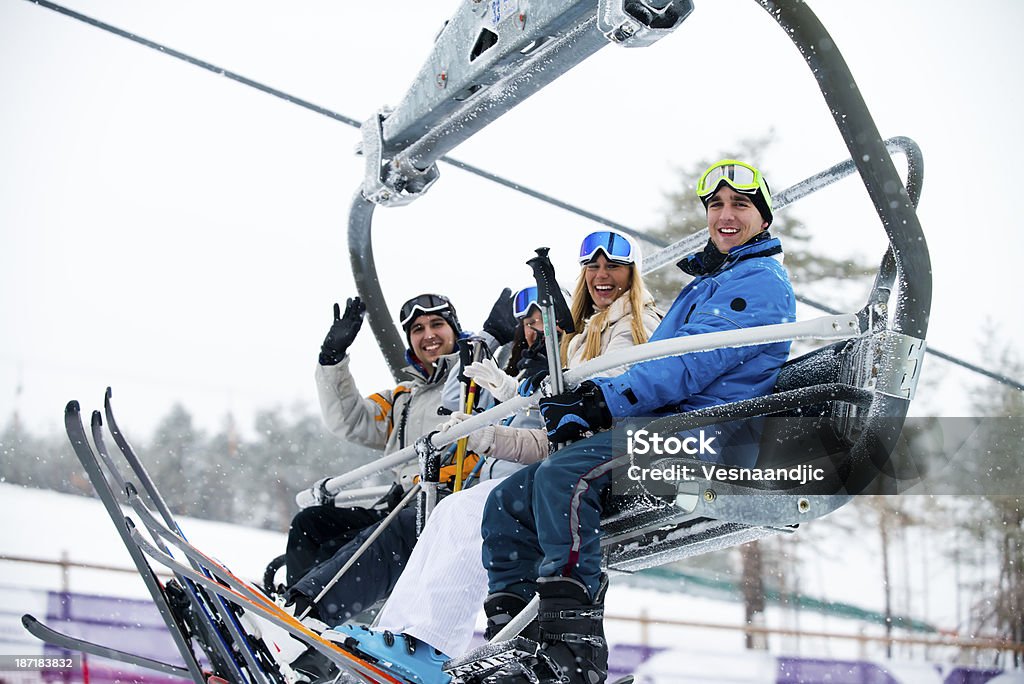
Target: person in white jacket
(388, 420)
(437, 597)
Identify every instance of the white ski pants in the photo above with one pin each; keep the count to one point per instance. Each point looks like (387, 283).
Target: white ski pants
(444, 584)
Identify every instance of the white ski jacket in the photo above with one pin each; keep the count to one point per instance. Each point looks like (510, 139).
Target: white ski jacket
(617, 331)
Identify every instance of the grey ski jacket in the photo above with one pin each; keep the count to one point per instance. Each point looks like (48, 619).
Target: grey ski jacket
(389, 419)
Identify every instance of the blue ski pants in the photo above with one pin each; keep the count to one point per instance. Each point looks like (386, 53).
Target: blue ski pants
(545, 520)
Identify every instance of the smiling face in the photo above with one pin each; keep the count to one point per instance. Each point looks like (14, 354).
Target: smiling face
(606, 280)
(732, 219)
(430, 338)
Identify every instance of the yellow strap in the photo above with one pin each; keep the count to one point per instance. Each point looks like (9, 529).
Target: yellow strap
(460, 451)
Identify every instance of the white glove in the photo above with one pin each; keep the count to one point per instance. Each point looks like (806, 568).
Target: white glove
(479, 441)
(500, 384)
(453, 420)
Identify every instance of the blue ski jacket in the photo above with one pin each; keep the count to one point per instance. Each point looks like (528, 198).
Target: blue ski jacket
(749, 288)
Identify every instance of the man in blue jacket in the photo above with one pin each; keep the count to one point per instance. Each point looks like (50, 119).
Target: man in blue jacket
(541, 527)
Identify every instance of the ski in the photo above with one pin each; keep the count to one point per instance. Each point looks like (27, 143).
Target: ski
(173, 601)
(236, 589)
(52, 636)
(206, 571)
(191, 604)
(208, 622)
(178, 629)
(238, 592)
(259, 662)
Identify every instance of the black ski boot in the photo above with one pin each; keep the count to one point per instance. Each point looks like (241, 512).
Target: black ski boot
(571, 632)
(565, 646)
(500, 608)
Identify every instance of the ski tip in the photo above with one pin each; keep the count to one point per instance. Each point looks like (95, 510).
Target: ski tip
(72, 407)
(97, 419)
(27, 620)
(109, 393)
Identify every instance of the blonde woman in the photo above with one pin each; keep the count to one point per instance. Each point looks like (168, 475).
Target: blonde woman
(610, 306)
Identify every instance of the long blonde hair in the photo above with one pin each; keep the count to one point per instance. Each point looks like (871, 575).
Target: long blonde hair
(583, 308)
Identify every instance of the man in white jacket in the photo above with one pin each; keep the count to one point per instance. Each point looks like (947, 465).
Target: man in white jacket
(323, 538)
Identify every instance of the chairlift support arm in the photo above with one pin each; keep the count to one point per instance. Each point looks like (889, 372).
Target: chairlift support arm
(488, 58)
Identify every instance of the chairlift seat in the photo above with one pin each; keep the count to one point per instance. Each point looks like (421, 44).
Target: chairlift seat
(644, 530)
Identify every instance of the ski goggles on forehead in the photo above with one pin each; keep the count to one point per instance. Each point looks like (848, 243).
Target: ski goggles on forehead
(740, 177)
(615, 247)
(423, 304)
(524, 300)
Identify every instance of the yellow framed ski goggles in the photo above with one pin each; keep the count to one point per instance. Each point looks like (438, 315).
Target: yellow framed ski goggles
(741, 177)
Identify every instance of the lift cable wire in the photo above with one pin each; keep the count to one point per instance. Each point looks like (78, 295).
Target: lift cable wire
(487, 175)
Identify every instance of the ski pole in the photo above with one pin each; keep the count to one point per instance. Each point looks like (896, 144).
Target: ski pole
(555, 314)
(470, 402)
(365, 545)
(460, 452)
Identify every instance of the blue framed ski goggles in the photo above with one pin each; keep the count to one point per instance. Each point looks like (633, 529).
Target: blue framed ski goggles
(616, 247)
(741, 177)
(524, 300)
(423, 304)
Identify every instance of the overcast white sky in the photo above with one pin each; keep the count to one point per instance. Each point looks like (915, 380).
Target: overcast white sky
(181, 237)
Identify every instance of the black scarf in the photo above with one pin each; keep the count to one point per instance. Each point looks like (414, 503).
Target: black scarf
(710, 260)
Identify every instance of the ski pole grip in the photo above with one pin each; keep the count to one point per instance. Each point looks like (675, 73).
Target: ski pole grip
(548, 292)
(465, 346)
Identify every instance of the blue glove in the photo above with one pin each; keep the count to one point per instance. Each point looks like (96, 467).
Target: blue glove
(570, 415)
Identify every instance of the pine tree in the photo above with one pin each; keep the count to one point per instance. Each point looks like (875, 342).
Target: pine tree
(991, 467)
(177, 462)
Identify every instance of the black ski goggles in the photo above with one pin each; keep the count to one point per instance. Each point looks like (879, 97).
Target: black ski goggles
(423, 304)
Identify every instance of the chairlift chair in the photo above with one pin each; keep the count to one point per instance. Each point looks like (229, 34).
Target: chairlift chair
(847, 400)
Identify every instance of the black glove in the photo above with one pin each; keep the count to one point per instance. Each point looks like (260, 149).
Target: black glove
(533, 365)
(569, 415)
(343, 331)
(501, 322)
(391, 499)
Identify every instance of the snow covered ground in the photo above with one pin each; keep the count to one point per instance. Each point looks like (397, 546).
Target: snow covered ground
(49, 525)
